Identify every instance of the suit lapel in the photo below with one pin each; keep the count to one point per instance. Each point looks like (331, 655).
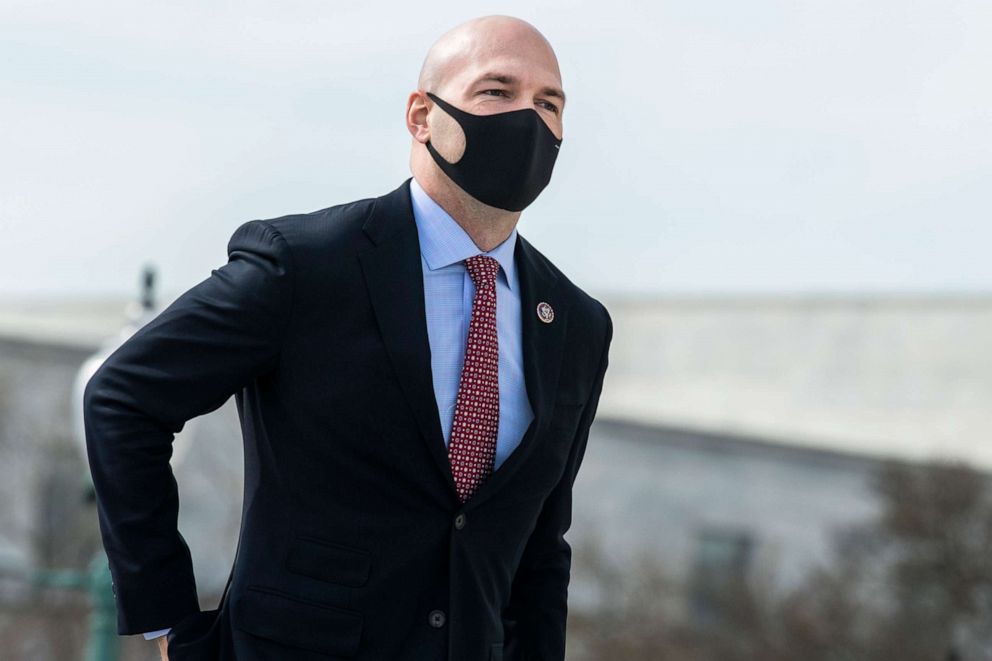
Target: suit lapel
(394, 277)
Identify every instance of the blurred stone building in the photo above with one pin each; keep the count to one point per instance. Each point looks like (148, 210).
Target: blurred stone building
(734, 435)
(737, 435)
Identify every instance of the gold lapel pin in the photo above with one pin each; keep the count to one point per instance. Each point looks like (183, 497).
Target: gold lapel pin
(545, 312)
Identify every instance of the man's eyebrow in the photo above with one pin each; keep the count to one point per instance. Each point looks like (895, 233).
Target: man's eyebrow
(507, 79)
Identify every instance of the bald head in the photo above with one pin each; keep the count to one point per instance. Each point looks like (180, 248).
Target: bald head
(479, 40)
(484, 66)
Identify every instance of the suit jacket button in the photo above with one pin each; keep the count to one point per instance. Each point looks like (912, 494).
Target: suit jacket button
(459, 521)
(436, 618)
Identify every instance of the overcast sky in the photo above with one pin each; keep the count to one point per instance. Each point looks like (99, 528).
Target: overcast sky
(709, 146)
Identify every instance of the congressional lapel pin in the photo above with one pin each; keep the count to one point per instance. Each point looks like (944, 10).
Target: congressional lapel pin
(545, 312)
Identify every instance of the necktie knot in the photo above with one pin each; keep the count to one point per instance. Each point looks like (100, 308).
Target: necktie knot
(482, 269)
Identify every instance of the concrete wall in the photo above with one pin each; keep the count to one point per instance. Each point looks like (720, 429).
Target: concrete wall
(897, 376)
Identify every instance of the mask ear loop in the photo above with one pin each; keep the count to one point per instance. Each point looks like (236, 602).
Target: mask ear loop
(450, 110)
(445, 106)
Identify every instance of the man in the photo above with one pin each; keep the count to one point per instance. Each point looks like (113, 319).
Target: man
(416, 383)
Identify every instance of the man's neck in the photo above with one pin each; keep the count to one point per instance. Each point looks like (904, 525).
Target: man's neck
(487, 226)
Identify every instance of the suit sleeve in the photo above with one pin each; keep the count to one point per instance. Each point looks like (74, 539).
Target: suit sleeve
(535, 618)
(187, 361)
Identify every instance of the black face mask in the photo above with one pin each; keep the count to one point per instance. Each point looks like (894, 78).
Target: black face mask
(508, 156)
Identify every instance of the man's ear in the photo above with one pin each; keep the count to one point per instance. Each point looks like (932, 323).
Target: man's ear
(416, 116)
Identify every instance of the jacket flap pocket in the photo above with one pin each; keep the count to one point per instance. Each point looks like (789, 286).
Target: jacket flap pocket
(329, 561)
(297, 622)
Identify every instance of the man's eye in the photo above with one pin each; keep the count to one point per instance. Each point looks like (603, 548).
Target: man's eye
(550, 106)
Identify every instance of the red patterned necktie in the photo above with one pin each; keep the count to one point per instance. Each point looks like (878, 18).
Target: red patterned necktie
(472, 446)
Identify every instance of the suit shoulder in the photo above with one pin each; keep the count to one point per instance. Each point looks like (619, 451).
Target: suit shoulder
(338, 225)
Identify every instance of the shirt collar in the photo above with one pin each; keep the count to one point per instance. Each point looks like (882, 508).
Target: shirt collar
(444, 242)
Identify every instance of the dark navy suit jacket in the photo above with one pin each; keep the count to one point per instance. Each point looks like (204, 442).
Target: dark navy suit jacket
(353, 542)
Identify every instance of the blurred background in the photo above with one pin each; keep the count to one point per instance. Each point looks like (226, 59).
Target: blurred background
(784, 206)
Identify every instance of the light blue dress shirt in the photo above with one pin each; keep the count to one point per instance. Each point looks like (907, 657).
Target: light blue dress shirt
(448, 293)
